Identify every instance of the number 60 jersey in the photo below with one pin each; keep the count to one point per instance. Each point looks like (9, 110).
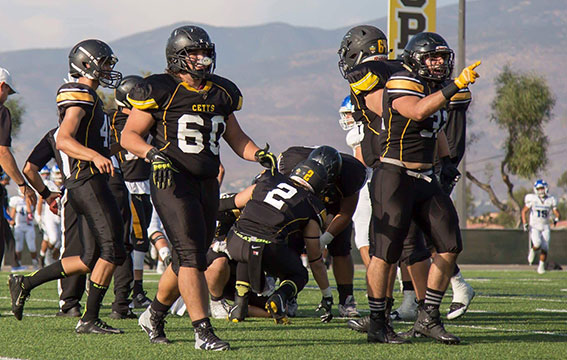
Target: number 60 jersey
(188, 122)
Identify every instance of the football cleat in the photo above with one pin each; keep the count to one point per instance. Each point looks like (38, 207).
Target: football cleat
(141, 301)
(153, 323)
(349, 310)
(463, 294)
(239, 310)
(96, 326)
(72, 312)
(18, 294)
(276, 307)
(360, 325)
(429, 324)
(129, 314)
(380, 332)
(219, 309)
(205, 339)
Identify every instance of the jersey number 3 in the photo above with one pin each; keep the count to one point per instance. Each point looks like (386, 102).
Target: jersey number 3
(283, 191)
(191, 140)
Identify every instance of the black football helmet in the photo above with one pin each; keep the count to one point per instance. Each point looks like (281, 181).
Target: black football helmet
(330, 158)
(95, 60)
(358, 44)
(310, 174)
(121, 92)
(183, 41)
(424, 45)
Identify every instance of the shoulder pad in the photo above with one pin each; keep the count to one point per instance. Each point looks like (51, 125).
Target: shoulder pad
(404, 83)
(230, 89)
(75, 94)
(368, 76)
(152, 93)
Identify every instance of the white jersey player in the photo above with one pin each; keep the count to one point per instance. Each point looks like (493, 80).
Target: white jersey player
(24, 230)
(49, 222)
(542, 208)
(361, 217)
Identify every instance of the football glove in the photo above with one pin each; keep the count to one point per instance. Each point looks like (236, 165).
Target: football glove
(450, 175)
(267, 159)
(162, 169)
(526, 227)
(467, 76)
(326, 305)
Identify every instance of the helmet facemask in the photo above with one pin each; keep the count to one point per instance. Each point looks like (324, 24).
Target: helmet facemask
(437, 73)
(185, 64)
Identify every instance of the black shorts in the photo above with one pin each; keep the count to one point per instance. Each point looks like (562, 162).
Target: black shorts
(341, 244)
(277, 260)
(141, 207)
(98, 212)
(188, 211)
(397, 199)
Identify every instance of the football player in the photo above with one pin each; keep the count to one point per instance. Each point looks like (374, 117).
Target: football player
(277, 208)
(24, 229)
(361, 216)
(346, 177)
(363, 63)
(83, 138)
(404, 183)
(49, 223)
(186, 110)
(136, 173)
(541, 206)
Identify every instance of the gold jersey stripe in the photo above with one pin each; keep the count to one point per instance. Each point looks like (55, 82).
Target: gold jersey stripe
(461, 96)
(74, 95)
(367, 83)
(402, 140)
(404, 85)
(207, 87)
(143, 105)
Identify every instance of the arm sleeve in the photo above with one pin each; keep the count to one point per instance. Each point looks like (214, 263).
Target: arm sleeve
(41, 153)
(399, 85)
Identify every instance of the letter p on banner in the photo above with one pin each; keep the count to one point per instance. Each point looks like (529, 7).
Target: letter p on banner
(407, 18)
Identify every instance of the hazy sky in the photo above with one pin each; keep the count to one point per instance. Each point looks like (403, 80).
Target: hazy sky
(28, 24)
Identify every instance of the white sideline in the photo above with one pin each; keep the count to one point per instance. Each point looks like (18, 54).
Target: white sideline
(552, 310)
(536, 332)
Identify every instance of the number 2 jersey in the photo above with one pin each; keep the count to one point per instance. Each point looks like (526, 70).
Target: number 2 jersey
(540, 209)
(188, 122)
(92, 131)
(278, 210)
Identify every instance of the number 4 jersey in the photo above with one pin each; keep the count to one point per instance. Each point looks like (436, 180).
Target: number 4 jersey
(278, 209)
(188, 122)
(92, 131)
(540, 209)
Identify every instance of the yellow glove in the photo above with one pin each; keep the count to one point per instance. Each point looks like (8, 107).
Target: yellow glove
(467, 76)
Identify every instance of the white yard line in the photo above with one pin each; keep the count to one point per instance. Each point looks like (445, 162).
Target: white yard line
(536, 332)
(552, 310)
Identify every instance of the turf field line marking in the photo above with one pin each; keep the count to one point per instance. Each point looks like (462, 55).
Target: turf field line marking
(30, 315)
(552, 310)
(520, 297)
(482, 311)
(536, 332)
(31, 299)
(564, 290)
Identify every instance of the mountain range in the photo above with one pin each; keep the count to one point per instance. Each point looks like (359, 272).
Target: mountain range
(292, 87)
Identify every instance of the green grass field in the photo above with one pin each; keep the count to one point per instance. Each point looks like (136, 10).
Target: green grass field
(515, 315)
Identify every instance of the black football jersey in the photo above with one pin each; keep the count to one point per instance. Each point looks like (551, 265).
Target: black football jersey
(46, 150)
(133, 168)
(93, 130)
(189, 122)
(363, 79)
(350, 181)
(278, 209)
